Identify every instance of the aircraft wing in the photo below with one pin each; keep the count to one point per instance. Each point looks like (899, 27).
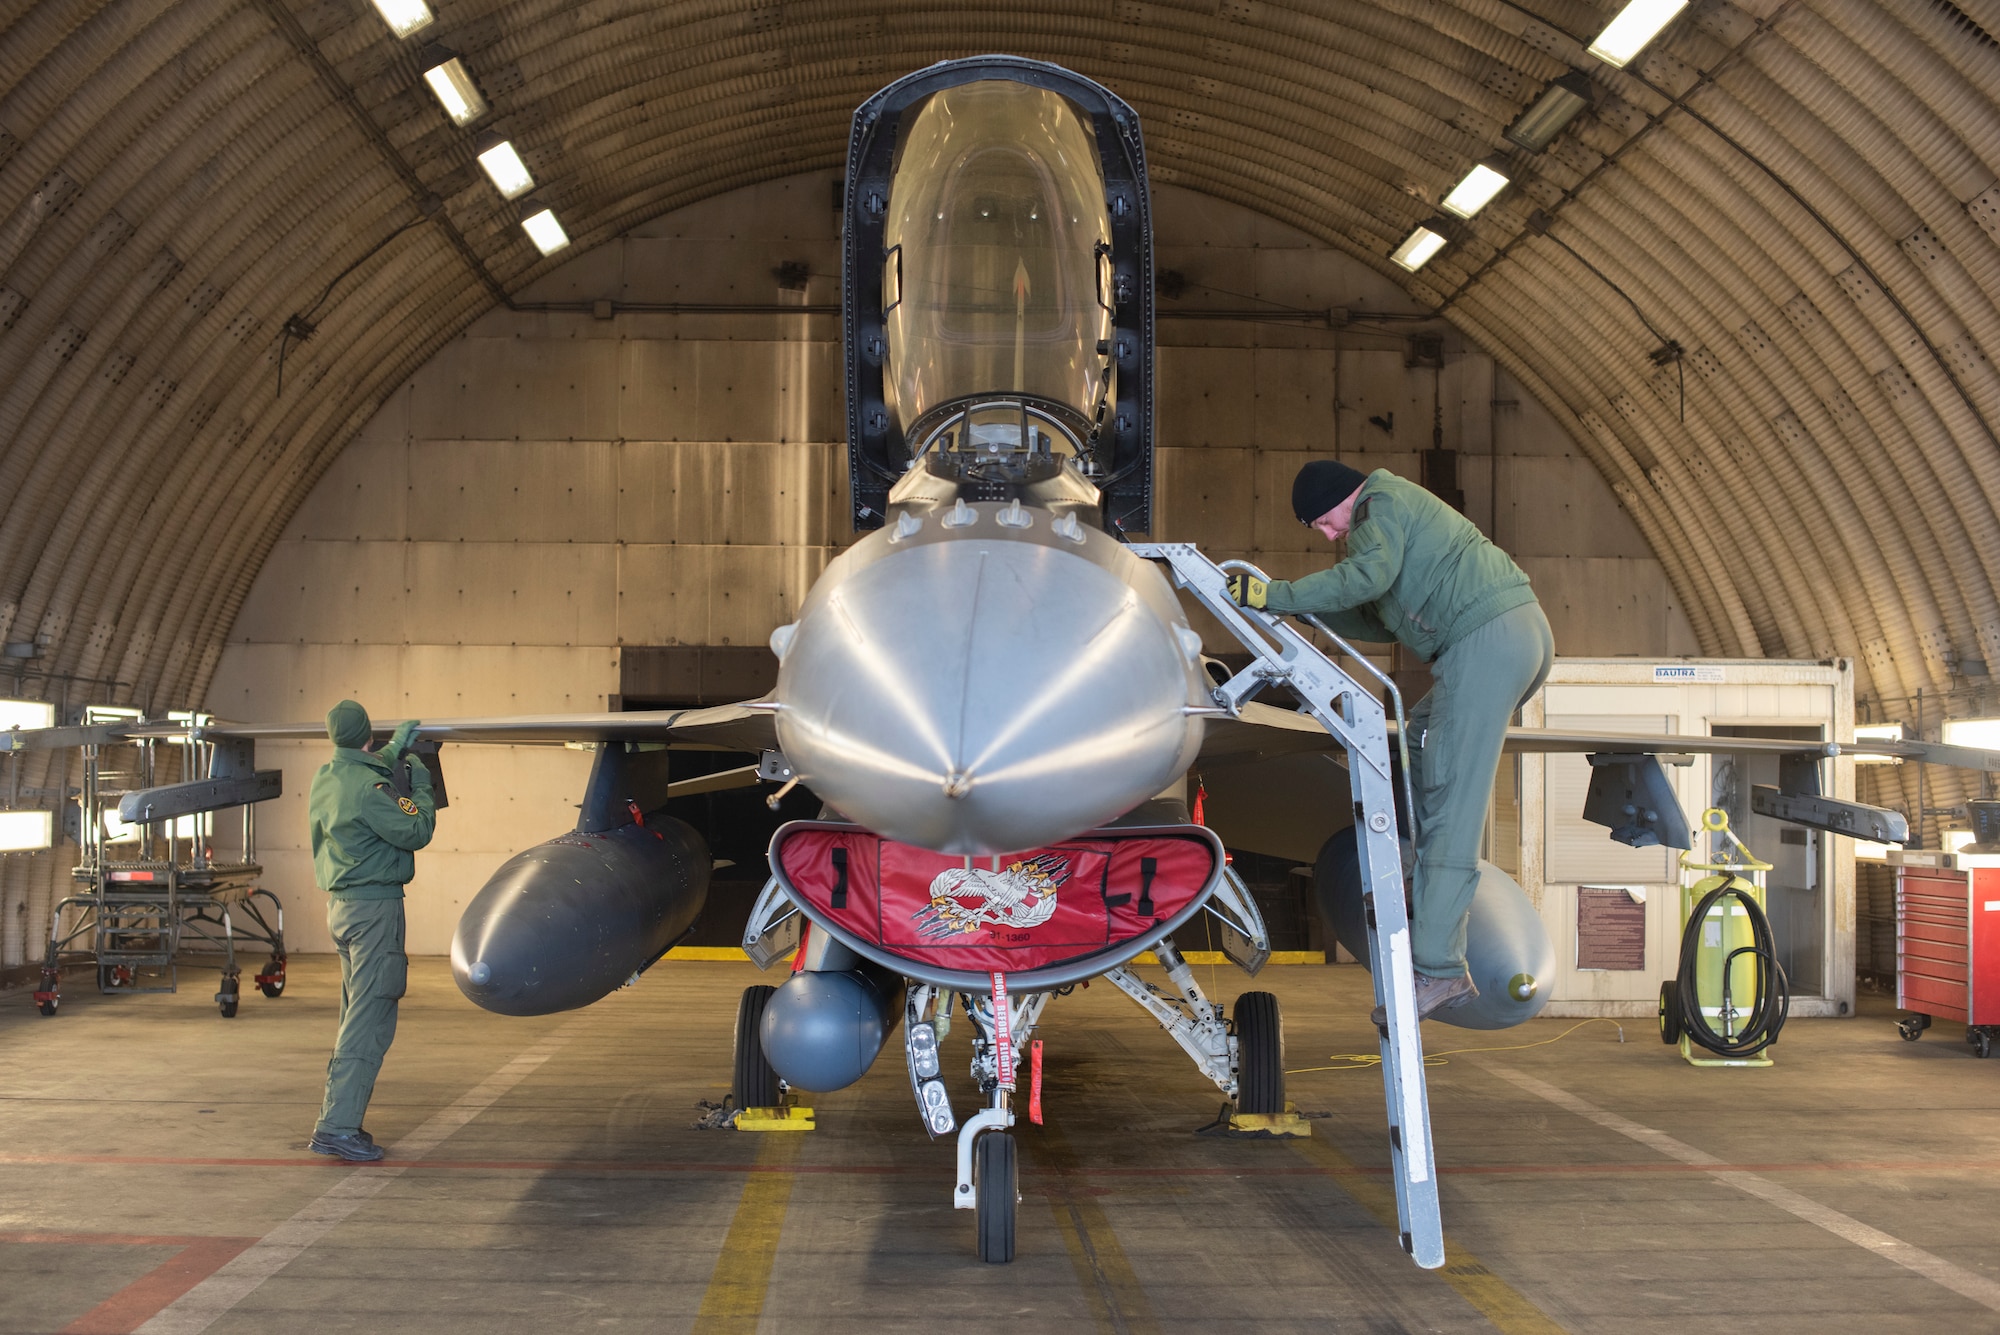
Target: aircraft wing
(1276, 780)
(739, 727)
(1263, 732)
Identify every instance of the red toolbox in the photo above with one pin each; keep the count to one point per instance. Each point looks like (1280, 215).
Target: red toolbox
(1948, 950)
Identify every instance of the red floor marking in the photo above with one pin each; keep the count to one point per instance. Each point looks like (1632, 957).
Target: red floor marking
(138, 1302)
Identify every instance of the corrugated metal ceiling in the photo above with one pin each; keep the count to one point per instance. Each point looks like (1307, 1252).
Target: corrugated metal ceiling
(1762, 271)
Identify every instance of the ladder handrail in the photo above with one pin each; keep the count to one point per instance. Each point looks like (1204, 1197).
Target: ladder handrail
(1388, 684)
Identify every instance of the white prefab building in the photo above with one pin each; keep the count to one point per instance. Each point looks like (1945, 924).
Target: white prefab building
(1563, 858)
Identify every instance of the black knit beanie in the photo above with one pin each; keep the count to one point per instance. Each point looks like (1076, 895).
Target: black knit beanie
(1320, 486)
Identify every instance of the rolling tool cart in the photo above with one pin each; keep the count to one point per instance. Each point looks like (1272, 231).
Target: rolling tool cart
(1948, 947)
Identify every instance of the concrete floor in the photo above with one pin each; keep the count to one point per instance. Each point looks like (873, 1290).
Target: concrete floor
(1588, 1185)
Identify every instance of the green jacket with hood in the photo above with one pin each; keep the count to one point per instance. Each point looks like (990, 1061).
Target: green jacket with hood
(364, 834)
(1416, 571)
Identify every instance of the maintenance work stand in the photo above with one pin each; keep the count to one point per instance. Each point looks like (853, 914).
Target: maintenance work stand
(1281, 655)
(150, 885)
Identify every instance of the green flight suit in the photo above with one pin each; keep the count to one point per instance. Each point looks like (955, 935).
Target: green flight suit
(364, 837)
(1419, 572)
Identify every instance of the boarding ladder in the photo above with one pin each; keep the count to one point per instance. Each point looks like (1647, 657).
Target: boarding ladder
(1280, 654)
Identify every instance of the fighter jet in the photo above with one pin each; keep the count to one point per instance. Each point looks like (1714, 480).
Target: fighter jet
(995, 699)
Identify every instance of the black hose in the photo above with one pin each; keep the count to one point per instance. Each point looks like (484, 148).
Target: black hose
(1774, 993)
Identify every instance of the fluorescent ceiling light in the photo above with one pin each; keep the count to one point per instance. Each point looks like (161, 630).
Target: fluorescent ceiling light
(538, 220)
(27, 714)
(504, 166)
(1867, 850)
(1536, 128)
(1637, 24)
(25, 831)
(1475, 191)
(1418, 247)
(112, 714)
(452, 84)
(404, 16)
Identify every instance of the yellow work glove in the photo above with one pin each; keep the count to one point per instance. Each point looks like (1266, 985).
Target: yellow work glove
(1248, 590)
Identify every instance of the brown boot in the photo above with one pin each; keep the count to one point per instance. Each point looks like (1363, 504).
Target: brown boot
(1433, 995)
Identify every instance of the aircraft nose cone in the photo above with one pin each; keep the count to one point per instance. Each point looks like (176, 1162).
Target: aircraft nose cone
(984, 696)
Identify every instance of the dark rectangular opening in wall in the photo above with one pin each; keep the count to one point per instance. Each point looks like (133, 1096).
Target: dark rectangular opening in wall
(685, 676)
(1795, 889)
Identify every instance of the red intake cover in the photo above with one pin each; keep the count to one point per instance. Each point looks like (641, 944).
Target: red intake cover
(1017, 913)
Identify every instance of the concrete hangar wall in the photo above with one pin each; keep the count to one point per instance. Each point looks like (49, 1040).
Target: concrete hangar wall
(555, 493)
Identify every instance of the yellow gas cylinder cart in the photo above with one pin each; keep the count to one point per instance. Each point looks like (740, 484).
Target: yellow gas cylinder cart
(1729, 1000)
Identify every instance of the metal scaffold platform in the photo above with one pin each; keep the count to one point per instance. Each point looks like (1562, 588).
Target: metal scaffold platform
(151, 887)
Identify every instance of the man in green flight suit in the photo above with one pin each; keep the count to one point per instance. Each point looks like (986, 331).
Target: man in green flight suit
(1419, 572)
(364, 837)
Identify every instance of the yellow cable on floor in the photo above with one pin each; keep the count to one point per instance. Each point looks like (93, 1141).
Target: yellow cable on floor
(1362, 1061)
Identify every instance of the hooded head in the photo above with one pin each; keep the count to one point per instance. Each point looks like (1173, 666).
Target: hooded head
(347, 724)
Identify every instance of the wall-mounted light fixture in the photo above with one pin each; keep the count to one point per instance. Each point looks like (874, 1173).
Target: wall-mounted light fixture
(451, 83)
(538, 220)
(1980, 732)
(26, 831)
(1637, 24)
(1476, 189)
(404, 16)
(1551, 113)
(503, 165)
(26, 714)
(1422, 243)
(1865, 733)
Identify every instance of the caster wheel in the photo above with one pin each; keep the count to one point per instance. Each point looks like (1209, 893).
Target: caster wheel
(1982, 1044)
(47, 1007)
(1670, 1012)
(996, 1177)
(227, 999)
(1910, 1029)
(1260, 1054)
(228, 1007)
(271, 982)
(754, 1083)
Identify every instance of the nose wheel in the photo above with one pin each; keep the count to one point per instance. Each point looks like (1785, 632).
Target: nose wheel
(754, 1082)
(997, 1180)
(1260, 1048)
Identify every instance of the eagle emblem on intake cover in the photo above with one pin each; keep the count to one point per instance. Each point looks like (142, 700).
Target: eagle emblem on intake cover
(967, 899)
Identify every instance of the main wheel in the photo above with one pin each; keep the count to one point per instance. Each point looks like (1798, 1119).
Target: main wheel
(1260, 1054)
(754, 1084)
(1670, 1013)
(47, 1007)
(996, 1177)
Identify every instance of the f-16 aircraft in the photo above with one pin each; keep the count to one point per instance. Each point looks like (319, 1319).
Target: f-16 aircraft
(998, 699)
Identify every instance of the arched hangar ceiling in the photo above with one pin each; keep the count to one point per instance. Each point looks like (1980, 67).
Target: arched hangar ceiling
(1761, 270)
